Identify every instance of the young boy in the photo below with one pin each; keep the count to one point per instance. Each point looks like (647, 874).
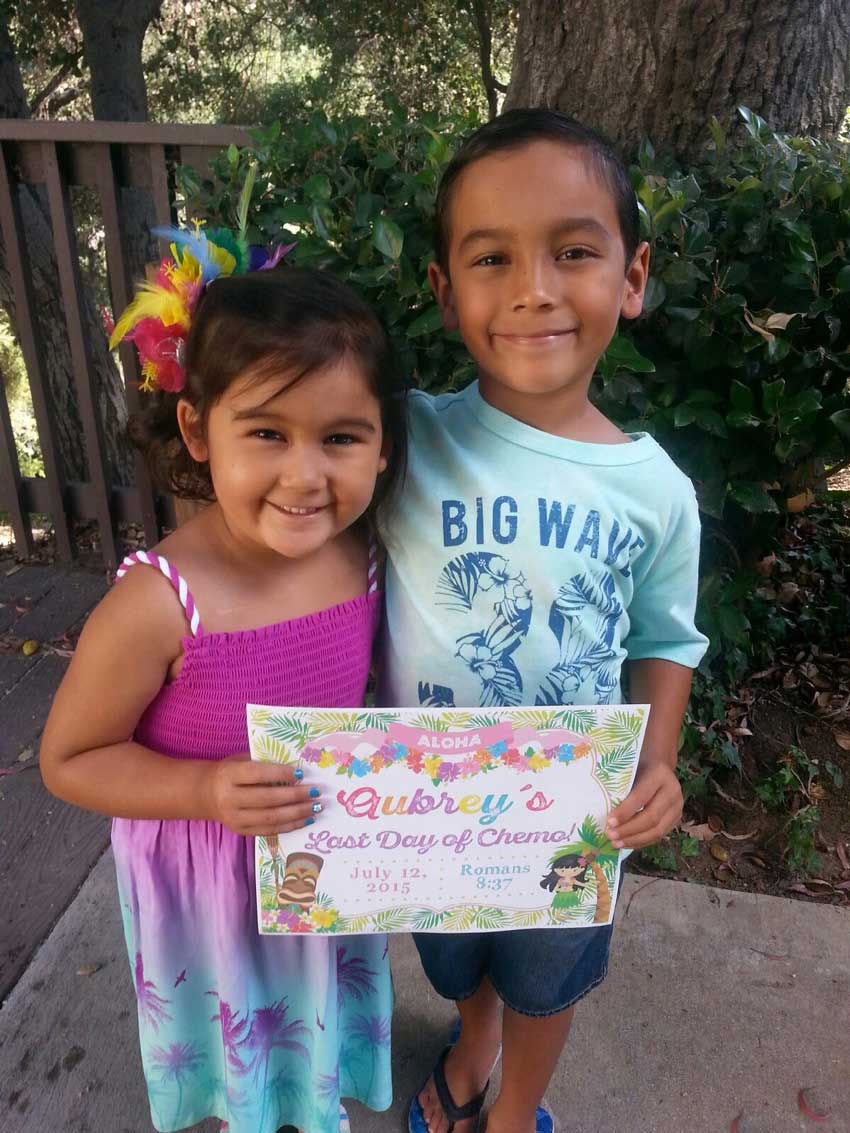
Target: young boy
(534, 550)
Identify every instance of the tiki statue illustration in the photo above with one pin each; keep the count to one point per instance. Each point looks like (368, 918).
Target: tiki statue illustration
(301, 872)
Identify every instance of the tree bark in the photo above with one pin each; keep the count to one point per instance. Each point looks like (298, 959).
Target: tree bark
(661, 69)
(51, 319)
(485, 55)
(113, 33)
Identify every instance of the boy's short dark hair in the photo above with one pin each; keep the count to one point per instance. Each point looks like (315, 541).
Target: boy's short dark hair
(519, 128)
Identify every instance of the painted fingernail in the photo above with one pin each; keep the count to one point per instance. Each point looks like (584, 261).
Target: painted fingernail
(299, 774)
(317, 808)
(314, 792)
(309, 821)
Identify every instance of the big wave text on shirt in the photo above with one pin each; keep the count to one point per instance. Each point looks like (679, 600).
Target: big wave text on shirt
(556, 526)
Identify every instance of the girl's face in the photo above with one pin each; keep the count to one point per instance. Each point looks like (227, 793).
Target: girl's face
(292, 467)
(568, 872)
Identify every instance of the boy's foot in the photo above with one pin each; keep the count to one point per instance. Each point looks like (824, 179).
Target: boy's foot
(543, 1123)
(452, 1098)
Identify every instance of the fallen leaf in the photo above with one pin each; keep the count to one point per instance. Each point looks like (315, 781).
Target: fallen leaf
(737, 837)
(779, 320)
(89, 969)
(26, 755)
(800, 502)
(843, 740)
(715, 822)
(787, 592)
(724, 873)
(798, 888)
(765, 566)
(811, 1106)
(757, 327)
(718, 852)
(702, 831)
(14, 570)
(756, 860)
(29, 647)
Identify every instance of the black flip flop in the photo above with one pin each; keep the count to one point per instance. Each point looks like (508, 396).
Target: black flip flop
(416, 1122)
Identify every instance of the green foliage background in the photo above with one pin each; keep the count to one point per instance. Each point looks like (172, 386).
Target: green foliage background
(739, 365)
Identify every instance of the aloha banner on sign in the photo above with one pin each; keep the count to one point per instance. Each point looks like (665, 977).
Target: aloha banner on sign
(447, 820)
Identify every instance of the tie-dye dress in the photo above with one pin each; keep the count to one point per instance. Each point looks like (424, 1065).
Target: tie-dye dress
(257, 1031)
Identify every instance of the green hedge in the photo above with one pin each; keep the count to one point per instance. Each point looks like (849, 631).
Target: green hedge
(739, 364)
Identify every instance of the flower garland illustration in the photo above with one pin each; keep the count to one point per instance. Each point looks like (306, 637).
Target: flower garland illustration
(439, 770)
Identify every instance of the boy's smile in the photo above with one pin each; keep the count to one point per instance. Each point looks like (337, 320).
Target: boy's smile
(537, 278)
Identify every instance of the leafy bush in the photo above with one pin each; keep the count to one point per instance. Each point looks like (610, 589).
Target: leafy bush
(359, 200)
(739, 364)
(747, 317)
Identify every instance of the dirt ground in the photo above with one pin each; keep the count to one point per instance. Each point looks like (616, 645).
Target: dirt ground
(743, 844)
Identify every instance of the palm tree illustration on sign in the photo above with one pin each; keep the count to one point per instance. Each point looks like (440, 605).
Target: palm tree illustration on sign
(569, 866)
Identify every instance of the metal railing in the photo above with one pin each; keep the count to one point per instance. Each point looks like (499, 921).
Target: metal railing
(107, 157)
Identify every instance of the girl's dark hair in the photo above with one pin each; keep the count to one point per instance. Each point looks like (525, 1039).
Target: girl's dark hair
(564, 861)
(519, 128)
(289, 320)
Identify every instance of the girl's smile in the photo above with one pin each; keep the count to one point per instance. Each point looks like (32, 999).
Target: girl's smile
(294, 463)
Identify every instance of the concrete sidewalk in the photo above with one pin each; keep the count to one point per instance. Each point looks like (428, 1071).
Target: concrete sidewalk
(716, 1004)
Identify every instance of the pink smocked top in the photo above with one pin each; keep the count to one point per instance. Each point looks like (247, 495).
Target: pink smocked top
(320, 660)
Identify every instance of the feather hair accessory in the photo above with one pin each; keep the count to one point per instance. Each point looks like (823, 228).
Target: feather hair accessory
(157, 321)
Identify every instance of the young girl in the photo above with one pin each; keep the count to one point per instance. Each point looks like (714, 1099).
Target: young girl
(285, 416)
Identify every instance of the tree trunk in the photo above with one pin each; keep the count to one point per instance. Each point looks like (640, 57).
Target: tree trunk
(48, 302)
(635, 69)
(113, 34)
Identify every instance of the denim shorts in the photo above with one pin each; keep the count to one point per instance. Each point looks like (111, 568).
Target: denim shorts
(535, 971)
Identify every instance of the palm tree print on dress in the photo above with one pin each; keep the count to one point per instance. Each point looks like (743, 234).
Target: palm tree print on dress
(176, 1063)
(152, 1007)
(270, 1031)
(352, 977)
(287, 1090)
(232, 1035)
(485, 579)
(587, 655)
(595, 851)
(369, 1035)
(327, 1100)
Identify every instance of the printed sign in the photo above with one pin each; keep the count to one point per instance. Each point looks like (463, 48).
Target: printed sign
(447, 820)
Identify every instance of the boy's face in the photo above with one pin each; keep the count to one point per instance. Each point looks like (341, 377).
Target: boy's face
(537, 277)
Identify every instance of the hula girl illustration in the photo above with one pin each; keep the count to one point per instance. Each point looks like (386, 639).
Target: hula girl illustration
(567, 879)
(584, 864)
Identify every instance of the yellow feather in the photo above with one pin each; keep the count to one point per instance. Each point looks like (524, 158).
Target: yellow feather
(186, 271)
(223, 257)
(152, 302)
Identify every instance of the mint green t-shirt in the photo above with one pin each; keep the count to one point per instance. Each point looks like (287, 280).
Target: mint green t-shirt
(525, 568)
